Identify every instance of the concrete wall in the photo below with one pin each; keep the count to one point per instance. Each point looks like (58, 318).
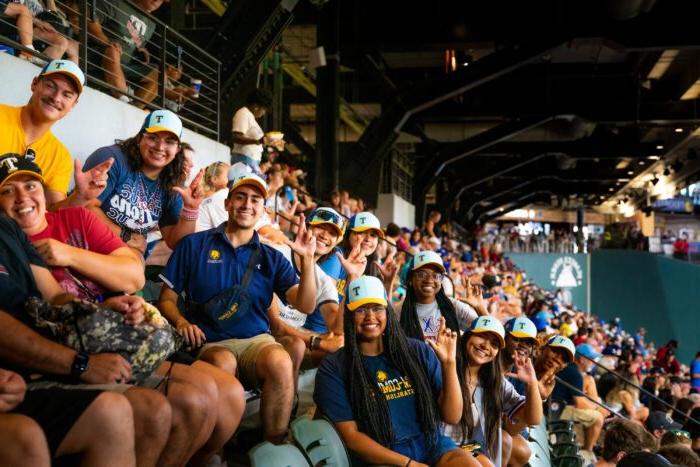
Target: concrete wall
(392, 208)
(97, 120)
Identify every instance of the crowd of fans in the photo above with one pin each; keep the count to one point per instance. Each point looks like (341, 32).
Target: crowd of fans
(429, 352)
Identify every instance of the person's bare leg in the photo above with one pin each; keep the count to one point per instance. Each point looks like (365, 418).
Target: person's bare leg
(592, 433)
(152, 420)
(506, 446)
(112, 64)
(57, 44)
(520, 453)
(484, 461)
(22, 442)
(457, 458)
(190, 410)
(221, 358)
(147, 89)
(296, 348)
(103, 434)
(274, 369)
(73, 51)
(23, 20)
(229, 410)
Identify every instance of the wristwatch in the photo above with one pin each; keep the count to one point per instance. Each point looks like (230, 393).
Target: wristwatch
(80, 364)
(314, 342)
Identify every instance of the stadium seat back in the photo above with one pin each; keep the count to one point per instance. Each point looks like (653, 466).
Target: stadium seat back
(267, 454)
(319, 441)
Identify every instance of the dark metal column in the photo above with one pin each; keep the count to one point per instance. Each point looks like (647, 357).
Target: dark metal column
(327, 100)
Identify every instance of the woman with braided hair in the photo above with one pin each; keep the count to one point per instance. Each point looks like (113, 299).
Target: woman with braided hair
(426, 302)
(387, 394)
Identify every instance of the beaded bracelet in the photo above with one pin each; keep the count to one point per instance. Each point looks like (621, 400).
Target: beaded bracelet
(189, 214)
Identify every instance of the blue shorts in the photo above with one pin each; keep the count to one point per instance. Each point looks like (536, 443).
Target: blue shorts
(417, 448)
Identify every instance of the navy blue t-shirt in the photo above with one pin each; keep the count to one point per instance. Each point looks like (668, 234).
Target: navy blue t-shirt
(205, 264)
(571, 375)
(16, 278)
(333, 400)
(131, 199)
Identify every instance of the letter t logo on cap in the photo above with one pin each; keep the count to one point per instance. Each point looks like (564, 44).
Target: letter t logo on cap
(9, 163)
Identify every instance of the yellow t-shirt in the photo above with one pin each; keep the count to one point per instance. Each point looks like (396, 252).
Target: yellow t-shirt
(51, 155)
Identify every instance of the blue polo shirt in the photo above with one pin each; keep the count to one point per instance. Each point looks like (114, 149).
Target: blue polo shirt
(205, 263)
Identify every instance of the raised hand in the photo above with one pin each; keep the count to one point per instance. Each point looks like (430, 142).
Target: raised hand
(304, 243)
(524, 371)
(546, 382)
(355, 264)
(475, 297)
(445, 345)
(390, 267)
(131, 306)
(89, 185)
(192, 195)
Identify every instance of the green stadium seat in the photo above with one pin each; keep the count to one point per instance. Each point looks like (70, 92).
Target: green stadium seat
(267, 454)
(319, 441)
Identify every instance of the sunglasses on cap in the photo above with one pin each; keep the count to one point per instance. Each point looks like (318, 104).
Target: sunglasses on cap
(327, 216)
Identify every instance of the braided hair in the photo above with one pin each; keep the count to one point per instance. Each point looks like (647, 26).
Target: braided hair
(491, 382)
(409, 315)
(369, 406)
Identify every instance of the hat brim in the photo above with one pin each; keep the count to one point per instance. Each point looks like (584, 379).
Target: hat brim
(380, 232)
(522, 335)
(158, 129)
(68, 75)
(352, 306)
(431, 263)
(500, 337)
(321, 222)
(22, 172)
(251, 182)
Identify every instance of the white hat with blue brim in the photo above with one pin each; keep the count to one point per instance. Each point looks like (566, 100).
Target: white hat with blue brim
(365, 290)
(427, 258)
(488, 324)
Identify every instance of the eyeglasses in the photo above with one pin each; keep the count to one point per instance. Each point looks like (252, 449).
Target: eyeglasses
(428, 275)
(375, 309)
(155, 140)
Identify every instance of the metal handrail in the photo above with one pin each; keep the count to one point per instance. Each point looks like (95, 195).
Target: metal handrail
(583, 394)
(653, 396)
(163, 37)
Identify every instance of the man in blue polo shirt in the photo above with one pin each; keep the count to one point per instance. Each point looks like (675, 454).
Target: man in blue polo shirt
(227, 278)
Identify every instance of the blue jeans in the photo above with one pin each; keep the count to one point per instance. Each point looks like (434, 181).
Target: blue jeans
(253, 164)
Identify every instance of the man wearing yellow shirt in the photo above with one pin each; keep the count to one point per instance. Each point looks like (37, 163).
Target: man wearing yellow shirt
(55, 92)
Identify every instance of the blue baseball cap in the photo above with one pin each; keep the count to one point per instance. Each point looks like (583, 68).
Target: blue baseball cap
(67, 69)
(427, 258)
(587, 350)
(363, 221)
(364, 290)
(521, 327)
(163, 120)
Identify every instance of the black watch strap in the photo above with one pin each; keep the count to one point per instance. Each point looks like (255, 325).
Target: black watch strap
(80, 364)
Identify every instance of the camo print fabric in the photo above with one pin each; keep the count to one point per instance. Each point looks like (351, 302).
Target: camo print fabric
(85, 326)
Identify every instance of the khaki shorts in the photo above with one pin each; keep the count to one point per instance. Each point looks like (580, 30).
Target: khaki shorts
(246, 352)
(586, 417)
